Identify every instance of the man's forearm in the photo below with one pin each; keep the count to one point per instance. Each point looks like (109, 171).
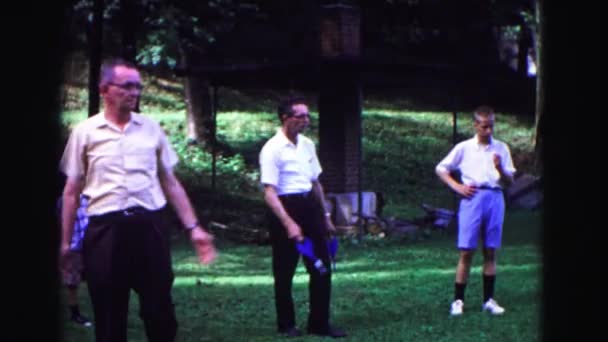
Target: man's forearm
(177, 197)
(68, 216)
(274, 203)
(69, 205)
(319, 194)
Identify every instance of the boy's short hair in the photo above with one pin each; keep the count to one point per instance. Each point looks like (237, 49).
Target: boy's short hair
(483, 111)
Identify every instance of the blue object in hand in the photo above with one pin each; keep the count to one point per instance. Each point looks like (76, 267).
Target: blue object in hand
(306, 248)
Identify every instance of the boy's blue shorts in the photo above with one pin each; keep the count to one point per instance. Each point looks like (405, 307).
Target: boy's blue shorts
(481, 216)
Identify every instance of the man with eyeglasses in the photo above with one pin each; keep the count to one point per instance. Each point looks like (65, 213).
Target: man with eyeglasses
(290, 173)
(123, 162)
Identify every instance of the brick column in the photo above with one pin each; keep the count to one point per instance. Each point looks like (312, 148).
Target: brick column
(339, 99)
(340, 135)
(340, 31)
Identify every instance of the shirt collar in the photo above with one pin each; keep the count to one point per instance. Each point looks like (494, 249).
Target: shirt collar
(100, 120)
(283, 140)
(480, 146)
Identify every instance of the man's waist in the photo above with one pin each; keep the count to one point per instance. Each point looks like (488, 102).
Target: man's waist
(297, 195)
(113, 203)
(114, 198)
(133, 211)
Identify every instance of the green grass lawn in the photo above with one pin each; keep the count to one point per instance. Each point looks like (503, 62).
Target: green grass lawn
(385, 289)
(390, 289)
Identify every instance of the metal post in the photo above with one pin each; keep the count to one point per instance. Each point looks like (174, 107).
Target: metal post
(95, 40)
(454, 137)
(213, 136)
(454, 127)
(360, 164)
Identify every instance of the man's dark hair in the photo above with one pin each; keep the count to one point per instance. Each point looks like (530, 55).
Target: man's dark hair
(286, 104)
(106, 74)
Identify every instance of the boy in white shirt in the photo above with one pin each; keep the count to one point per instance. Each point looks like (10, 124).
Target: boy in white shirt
(486, 167)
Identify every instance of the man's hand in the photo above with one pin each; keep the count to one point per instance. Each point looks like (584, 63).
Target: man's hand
(294, 231)
(64, 251)
(330, 225)
(203, 245)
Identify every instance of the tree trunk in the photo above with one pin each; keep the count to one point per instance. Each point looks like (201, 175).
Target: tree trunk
(95, 48)
(540, 84)
(199, 107)
(524, 45)
(128, 16)
(129, 19)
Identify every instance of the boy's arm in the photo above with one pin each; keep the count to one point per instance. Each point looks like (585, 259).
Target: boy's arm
(504, 167)
(506, 178)
(462, 189)
(451, 161)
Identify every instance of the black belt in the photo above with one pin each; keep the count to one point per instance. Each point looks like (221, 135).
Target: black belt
(129, 212)
(300, 195)
(486, 187)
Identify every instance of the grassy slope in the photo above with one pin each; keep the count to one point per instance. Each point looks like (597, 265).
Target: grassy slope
(400, 146)
(393, 289)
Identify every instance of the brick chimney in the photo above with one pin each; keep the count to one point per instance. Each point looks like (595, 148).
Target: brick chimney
(339, 99)
(340, 31)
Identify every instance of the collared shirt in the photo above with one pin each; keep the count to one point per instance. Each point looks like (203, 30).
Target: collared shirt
(289, 167)
(80, 223)
(475, 162)
(120, 168)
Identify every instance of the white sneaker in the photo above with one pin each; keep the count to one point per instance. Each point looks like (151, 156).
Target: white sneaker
(492, 307)
(456, 308)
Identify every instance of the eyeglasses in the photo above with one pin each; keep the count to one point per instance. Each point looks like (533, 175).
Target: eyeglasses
(128, 85)
(301, 116)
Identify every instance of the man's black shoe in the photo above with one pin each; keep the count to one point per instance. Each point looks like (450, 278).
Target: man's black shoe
(290, 332)
(331, 332)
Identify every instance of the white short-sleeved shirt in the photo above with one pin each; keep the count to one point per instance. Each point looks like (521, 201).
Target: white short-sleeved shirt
(476, 162)
(290, 168)
(120, 168)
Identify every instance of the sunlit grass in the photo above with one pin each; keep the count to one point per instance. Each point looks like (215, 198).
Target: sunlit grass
(386, 290)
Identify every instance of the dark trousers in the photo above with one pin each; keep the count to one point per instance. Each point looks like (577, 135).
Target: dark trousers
(124, 252)
(306, 212)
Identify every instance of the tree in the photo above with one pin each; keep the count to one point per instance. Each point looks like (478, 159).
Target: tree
(164, 34)
(95, 36)
(540, 83)
(183, 33)
(130, 25)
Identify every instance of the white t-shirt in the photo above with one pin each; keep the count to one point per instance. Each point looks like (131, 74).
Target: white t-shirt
(290, 168)
(476, 162)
